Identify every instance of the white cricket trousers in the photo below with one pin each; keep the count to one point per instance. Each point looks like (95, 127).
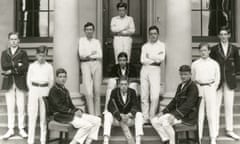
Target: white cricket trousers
(109, 119)
(92, 80)
(208, 105)
(112, 83)
(164, 127)
(122, 44)
(88, 127)
(15, 96)
(228, 95)
(36, 105)
(150, 89)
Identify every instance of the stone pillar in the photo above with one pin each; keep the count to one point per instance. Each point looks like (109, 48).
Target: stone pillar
(237, 22)
(178, 41)
(66, 36)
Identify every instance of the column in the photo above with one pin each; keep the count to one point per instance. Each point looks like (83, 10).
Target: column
(237, 22)
(178, 41)
(66, 36)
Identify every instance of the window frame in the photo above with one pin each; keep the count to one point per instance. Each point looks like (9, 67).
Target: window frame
(17, 18)
(215, 38)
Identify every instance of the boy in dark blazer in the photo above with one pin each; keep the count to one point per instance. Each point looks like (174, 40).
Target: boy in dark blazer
(123, 106)
(182, 108)
(227, 55)
(64, 111)
(123, 68)
(14, 62)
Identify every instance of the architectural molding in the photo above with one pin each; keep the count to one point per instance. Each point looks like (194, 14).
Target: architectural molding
(99, 25)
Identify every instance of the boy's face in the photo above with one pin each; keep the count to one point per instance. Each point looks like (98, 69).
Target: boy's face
(185, 76)
(123, 85)
(61, 78)
(122, 11)
(89, 31)
(122, 61)
(41, 57)
(13, 40)
(224, 36)
(153, 35)
(204, 52)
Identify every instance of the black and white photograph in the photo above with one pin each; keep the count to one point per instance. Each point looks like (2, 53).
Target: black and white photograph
(120, 72)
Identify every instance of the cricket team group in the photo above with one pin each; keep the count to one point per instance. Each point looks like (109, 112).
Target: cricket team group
(211, 77)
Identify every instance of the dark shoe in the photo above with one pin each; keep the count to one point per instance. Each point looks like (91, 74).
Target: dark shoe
(166, 142)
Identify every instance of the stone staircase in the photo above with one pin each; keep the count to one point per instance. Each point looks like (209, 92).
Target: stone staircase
(150, 136)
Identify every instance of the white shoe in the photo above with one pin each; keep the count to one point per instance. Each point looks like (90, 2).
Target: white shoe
(8, 134)
(233, 135)
(22, 133)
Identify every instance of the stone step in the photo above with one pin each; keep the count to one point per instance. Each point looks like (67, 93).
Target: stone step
(3, 107)
(103, 95)
(236, 118)
(117, 140)
(74, 98)
(167, 100)
(220, 140)
(113, 140)
(117, 131)
(222, 131)
(121, 140)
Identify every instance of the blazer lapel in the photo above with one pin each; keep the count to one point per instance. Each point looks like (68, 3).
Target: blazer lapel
(181, 90)
(120, 97)
(9, 52)
(119, 70)
(128, 98)
(220, 50)
(229, 50)
(127, 70)
(16, 53)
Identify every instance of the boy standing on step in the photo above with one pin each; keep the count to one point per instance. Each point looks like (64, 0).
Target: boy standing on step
(206, 74)
(152, 55)
(14, 62)
(39, 80)
(90, 53)
(227, 56)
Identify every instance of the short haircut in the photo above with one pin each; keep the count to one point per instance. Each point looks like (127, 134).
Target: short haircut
(13, 33)
(185, 68)
(224, 28)
(202, 45)
(60, 70)
(42, 49)
(122, 4)
(122, 54)
(122, 78)
(153, 28)
(89, 24)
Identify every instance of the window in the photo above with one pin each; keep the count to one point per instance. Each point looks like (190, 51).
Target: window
(208, 16)
(34, 19)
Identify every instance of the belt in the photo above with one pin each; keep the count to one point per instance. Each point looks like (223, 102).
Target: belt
(155, 64)
(40, 85)
(205, 84)
(122, 35)
(88, 60)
